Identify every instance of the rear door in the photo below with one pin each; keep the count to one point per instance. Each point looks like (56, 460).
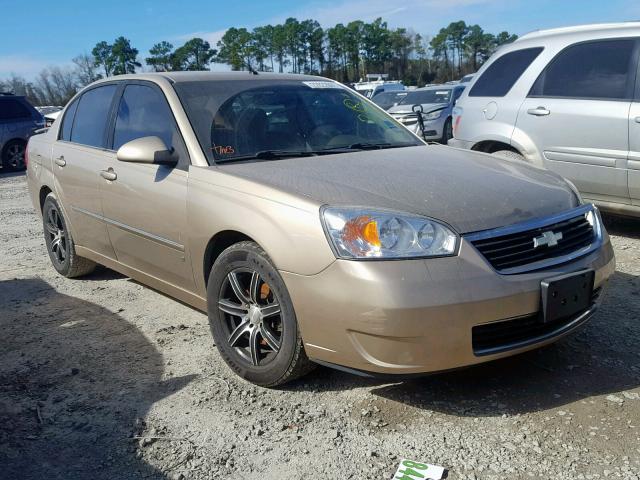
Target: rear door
(79, 155)
(145, 205)
(577, 115)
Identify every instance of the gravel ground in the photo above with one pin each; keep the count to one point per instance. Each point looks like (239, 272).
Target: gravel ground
(103, 378)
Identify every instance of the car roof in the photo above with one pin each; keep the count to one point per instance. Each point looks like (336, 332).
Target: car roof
(178, 77)
(595, 28)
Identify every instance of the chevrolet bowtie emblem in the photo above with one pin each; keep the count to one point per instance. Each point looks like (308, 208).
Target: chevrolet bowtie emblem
(549, 238)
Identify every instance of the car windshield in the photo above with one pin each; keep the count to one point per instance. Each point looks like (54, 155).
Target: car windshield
(260, 119)
(388, 99)
(435, 95)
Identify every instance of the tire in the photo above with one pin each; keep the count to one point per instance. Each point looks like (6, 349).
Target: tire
(447, 131)
(509, 155)
(256, 333)
(60, 246)
(13, 156)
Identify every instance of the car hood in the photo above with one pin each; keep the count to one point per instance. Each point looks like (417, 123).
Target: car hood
(426, 108)
(468, 190)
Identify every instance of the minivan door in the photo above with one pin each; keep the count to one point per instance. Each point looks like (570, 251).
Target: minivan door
(145, 205)
(577, 115)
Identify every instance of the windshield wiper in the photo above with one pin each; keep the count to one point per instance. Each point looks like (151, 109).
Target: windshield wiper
(267, 155)
(366, 146)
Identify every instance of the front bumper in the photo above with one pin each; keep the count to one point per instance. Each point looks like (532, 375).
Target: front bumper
(416, 316)
(433, 128)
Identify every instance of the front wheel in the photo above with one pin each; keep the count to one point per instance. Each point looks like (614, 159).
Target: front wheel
(252, 318)
(447, 131)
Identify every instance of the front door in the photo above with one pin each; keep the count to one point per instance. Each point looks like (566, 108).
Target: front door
(577, 115)
(145, 205)
(79, 155)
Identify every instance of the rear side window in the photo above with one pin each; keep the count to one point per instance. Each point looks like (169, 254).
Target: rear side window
(598, 69)
(67, 122)
(12, 109)
(499, 77)
(92, 116)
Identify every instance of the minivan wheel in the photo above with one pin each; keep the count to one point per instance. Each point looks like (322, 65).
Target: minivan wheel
(59, 241)
(252, 319)
(13, 156)
(509, 155)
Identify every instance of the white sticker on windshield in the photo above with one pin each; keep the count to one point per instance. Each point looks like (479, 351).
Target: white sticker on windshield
(321, 84)
(442, 92)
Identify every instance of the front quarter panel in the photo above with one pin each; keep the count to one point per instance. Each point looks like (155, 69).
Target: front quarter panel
(286, 226)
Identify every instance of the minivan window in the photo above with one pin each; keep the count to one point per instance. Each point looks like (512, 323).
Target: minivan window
(12, 109)
(589, 70)
(92, 116)
(503, 73)
(67, 122)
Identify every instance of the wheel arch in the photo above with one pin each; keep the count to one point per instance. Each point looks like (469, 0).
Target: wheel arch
(218, 244)
(492, 146)
(42, 195)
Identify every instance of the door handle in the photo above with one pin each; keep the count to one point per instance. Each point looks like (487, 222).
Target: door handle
(108, 174)
(538, 111)
(60, 161)
(637, 119)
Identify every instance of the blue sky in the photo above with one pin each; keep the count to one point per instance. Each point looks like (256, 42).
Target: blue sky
(38, 33)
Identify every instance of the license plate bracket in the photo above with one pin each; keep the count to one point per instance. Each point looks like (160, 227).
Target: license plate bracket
(566, 295)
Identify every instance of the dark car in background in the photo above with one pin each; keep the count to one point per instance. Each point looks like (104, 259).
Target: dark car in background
(18, 120)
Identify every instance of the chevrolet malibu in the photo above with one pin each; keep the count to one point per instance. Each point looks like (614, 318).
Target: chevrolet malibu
(312, 227)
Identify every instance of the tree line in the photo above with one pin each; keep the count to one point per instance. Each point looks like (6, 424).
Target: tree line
(345, 52)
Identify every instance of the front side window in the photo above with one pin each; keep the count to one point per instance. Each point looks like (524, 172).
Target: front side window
(503, 73)
(92, 115)
(295, 117)
(144, 112)
(12, 109)
(589, 70)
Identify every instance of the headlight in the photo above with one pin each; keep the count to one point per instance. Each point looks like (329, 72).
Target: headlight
(575, 191)
(432, 115)
(364, 233)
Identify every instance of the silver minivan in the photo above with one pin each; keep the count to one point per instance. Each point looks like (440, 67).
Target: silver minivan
(567, 99)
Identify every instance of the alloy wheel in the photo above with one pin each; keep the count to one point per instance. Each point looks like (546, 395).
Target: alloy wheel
(252, 316)
(15, 156)
(58, 243)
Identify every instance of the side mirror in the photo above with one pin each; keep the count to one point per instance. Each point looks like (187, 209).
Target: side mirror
(147, 150)
(417, 108)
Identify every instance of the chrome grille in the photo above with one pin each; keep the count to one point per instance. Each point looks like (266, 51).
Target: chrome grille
(538, 244)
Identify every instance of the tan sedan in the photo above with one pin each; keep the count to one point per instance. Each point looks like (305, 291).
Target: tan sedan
(312, 227)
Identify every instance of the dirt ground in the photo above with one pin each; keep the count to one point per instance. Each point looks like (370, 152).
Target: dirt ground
(102, 378)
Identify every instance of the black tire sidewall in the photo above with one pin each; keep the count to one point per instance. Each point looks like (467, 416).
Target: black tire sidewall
(64, 267)
(446, 130)
(249, 255)
(5, 157)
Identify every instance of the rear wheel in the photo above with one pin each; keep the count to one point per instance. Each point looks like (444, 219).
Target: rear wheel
(13, 156)
(252, 318)
(509, 155)
(60, 246)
